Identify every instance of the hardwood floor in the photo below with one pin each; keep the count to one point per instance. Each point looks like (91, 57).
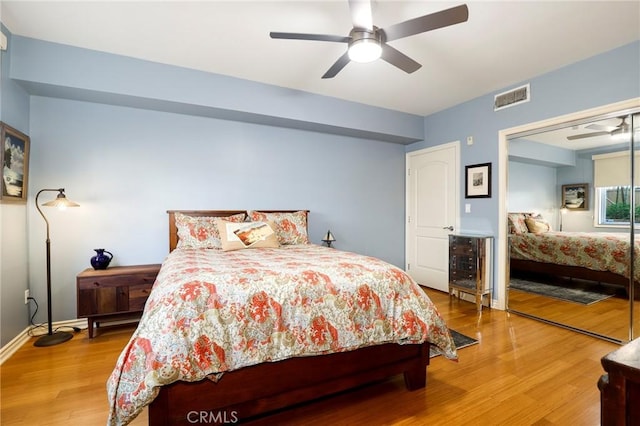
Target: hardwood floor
(522, 372)
(609, 317)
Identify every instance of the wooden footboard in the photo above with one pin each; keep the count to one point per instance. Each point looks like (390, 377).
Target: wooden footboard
(519, 265)
(530, 266)
(260, 389)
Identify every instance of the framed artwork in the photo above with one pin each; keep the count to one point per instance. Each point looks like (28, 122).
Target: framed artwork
(575, 196)
(477, 182)
(15, 165)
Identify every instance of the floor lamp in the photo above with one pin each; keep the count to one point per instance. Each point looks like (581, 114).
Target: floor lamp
(61, 202)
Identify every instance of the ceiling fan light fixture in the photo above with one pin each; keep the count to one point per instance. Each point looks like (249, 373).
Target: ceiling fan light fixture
(364, 46)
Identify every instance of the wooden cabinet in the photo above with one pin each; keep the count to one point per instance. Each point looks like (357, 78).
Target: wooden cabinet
(470, 266)
(115, 293)
(620, 386)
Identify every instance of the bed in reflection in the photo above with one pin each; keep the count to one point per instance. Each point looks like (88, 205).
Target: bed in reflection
(595, 256)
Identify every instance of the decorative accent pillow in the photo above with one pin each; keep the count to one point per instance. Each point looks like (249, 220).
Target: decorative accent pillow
(517, 224)
(291, 228)
(200, 231)
(238, 236)
(537, 224)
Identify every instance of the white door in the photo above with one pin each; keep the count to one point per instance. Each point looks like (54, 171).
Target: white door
(432, 212)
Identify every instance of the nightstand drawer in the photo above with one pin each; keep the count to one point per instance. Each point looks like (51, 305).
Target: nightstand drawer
(138, 295)
(458, 275)
(103, 300)
(116, 280)
(462, 251)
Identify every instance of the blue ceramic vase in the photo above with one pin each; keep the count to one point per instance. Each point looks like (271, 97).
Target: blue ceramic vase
(102, 259)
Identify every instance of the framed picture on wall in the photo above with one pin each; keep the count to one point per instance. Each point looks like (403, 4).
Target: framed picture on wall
(15, 164)
(575, 196)
(477, 182)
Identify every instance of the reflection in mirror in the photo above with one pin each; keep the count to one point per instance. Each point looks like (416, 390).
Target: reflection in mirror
(570, 196)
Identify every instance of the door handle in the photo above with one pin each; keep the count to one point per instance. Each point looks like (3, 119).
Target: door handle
(450, 227)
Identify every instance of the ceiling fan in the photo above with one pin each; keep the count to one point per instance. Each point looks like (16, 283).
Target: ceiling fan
(621, 128)
(368, 42)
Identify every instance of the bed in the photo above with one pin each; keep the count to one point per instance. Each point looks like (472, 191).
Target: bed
(595, 256)
(230, 335)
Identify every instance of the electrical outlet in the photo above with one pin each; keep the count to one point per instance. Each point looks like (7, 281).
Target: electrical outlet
(26, 297)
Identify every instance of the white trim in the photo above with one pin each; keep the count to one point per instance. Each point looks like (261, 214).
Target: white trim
(16, 343)
(3, 41)
(12, 347)
(503, 163)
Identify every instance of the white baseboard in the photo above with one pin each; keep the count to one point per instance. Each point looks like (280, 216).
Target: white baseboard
(16, 343)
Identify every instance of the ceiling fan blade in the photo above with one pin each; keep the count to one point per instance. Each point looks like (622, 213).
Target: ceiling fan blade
(433, 21)
(399, 59)
(601, 127)
(337, 67)
(361, 14)
(587, 135)
(315, 37)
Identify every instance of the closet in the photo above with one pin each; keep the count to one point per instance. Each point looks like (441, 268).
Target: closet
(571, 199)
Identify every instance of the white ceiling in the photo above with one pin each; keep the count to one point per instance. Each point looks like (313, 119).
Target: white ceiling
(502, 44)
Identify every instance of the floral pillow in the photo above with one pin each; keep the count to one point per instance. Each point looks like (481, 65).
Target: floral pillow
(200, 231)
(244, 235)
(517, 224)
(291, 227)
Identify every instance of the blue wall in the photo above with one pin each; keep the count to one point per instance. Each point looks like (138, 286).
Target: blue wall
(129, 139)
(14, 111)
(607, 78)
(127, 166)
(534, 188)
(604, 79)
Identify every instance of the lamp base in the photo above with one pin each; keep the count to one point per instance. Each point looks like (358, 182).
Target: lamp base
(53, 339)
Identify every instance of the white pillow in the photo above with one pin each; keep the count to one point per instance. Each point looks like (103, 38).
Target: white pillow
(238, 236)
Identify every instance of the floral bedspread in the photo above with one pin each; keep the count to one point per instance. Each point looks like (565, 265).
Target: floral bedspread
(598, 251)
(212, 311)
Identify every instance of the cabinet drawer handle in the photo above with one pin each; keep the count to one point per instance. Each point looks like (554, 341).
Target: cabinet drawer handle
(96, 283)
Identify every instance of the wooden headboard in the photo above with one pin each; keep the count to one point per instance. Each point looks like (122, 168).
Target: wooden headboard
(173, 229)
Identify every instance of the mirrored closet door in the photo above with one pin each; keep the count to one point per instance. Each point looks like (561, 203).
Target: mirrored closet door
(571, 199)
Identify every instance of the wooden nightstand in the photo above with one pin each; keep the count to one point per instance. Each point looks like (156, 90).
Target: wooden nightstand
(115, 293)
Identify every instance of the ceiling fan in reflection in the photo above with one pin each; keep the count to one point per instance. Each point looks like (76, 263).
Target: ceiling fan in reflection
(603, 130)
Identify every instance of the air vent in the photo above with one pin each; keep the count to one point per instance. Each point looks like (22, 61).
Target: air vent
(512, 97)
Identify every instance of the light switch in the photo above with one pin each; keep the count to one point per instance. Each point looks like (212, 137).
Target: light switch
(469, 140)
(467, 208)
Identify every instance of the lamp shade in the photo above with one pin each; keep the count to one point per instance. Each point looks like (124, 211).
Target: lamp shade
(328, 238)
(61, 201)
